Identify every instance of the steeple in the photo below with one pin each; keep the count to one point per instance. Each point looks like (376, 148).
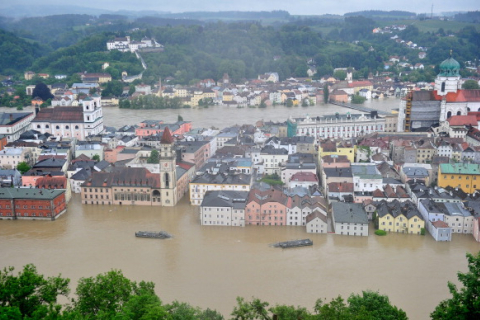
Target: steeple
(166, 137)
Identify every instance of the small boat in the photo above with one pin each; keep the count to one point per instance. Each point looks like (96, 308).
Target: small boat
(293, 243)
(151, 234)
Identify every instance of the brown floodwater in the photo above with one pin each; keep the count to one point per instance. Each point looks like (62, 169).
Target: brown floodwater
(210, 266)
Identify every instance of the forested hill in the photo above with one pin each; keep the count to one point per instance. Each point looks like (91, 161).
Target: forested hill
(17, 54)
(201, 50)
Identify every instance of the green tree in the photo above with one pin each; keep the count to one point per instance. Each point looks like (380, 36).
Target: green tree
(325, 93)
(372, 305)
(154, 157)
(368, 305)
(358, 99)
(464, 303)
(96, 157)
(289, 103)
(340, 75)
(30, 294)
(179, 118)
(470, 84)
(23, 167)
(41, 90)
(255, 309)
(111, 293)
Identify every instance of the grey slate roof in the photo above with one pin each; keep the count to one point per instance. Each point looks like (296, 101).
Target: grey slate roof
(231, 199)
(29, 193)
(366, 172)
(415, 172)
(340, 172)
(349, 213)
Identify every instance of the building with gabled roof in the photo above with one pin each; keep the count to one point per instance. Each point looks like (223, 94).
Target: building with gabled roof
(71, 122)
(349, 219)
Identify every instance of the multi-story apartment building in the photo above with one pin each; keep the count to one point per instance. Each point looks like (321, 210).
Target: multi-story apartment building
(13, 124)
(223, 208)
(459, 175)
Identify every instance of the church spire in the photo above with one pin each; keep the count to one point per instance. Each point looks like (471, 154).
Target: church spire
(166, 137)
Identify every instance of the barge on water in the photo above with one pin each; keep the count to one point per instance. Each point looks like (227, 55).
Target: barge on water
(293, 243)
(151, 234)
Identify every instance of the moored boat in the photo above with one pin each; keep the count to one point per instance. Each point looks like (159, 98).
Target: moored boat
(151, 234)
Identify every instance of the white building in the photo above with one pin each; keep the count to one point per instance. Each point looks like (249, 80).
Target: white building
(11, 157)
(223, 208)
(13, 124)
(338, 126)
(72, 122)
(316, 223)
(366, 177)
(349, 219)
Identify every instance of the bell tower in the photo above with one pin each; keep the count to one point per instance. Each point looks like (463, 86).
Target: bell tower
(168, 175)
(448, 80)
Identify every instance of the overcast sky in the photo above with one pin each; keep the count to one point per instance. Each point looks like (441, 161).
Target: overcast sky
(303, 7)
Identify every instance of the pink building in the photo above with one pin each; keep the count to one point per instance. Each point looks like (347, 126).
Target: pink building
(476, 229)
(266, 208)
(148, 128)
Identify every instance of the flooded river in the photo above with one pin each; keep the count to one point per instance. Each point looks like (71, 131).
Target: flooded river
(211, 266)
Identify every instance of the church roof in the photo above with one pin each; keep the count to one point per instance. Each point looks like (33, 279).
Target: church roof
(462, 120)
(461, 96)
(167, 137)
(449, 67)
(60, 114)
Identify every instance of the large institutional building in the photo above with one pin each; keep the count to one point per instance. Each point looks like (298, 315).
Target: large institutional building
(336, 126)
(78, 122)
(136, 186)
(419, 110)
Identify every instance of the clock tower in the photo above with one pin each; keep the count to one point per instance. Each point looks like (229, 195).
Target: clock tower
(168, 175)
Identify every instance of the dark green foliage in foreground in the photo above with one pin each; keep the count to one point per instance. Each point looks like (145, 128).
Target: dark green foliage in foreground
(29, 295)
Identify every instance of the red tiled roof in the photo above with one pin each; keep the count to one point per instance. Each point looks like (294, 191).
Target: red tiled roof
(167, 137)
(463, 120)
(340, 187)
(49, 156)
(364, 83)
(51, 182)
(60, 114)
(461, 96)
(304, 176)
(439, 224)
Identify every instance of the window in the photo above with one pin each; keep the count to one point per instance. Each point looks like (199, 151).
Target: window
(57, 127)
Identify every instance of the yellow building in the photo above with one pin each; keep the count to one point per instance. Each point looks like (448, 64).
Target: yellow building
(227, 96)
(181, 92)
(459, 175)
(329, 148)
(401, 217)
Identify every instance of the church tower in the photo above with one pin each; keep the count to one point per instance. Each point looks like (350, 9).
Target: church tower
(448, 80)
(168, 175)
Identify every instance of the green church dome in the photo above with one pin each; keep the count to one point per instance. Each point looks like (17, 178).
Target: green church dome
(449, 67)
